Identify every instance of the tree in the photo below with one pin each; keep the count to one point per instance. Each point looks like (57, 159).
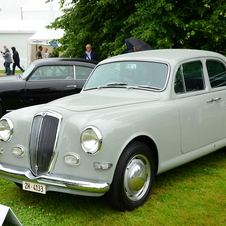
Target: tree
(106, 24)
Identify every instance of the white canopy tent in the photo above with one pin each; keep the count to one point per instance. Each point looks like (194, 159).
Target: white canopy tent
(20, 20)
(38, 9)
(43, 36)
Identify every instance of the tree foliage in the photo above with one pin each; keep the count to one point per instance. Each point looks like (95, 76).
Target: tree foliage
(105, 24)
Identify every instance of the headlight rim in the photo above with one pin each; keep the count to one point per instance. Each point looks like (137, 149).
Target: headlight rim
(75, 156)
(10, 125)
(21, 147)
(99, 139)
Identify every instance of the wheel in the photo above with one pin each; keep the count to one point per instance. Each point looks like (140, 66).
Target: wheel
(133, 178)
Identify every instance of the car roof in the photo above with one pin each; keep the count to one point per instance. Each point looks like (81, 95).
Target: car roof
(64, 60)
(167, 55)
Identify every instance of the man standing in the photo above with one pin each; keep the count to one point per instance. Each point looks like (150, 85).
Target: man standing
(8, 60)
(39, 53)
(89, 54)
(4, 47)
(16, 60)
(46, 53)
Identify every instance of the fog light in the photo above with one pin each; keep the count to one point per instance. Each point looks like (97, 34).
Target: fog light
(18, 151)
(72, 159)
(102, 165)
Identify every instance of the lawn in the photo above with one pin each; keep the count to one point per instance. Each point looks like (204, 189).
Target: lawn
(16, 71)
(193, 194)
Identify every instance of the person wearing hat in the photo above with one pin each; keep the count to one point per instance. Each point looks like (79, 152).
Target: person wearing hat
(16, 60)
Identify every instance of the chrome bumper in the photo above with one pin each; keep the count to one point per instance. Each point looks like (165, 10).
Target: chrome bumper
(89, 186)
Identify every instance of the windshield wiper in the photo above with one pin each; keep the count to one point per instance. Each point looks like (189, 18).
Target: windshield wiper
(149, 87)
(116, 84)
(112, 84)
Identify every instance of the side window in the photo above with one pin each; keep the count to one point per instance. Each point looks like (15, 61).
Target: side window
(217, 73)
(82, 72)
(52, 73)
(189, 77)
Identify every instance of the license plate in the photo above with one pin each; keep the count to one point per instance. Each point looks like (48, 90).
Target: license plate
(34, 187)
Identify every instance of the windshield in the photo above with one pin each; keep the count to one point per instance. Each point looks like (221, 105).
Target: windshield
(151, 75)
(28, 71)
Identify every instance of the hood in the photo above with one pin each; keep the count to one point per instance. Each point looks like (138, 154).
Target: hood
(9, 78)
(104, 98)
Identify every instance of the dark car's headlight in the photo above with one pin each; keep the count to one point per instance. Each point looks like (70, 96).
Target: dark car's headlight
(6, 129)
(91, 140)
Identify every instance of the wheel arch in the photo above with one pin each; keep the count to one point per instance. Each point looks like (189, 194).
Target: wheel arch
(151, 144)
(122, 189)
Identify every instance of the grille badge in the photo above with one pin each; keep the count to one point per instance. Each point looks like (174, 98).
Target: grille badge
(43, 114)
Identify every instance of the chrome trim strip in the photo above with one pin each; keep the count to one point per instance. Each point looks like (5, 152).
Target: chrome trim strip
(55, 180)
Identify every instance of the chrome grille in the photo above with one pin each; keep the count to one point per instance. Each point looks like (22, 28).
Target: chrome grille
(43, 138)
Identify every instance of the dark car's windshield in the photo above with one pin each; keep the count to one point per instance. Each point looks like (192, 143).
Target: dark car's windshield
(152, 75)
(28, 71)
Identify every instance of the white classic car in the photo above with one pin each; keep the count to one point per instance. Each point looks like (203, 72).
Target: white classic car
(138, 115)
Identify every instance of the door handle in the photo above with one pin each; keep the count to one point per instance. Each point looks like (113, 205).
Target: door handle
(216, 98)
(71, 86)
(210, 100)
(213, 99)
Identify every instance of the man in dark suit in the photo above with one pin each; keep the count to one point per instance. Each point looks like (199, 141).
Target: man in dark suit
(89, 54)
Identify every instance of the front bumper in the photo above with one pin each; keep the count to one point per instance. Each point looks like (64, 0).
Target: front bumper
(59, 183)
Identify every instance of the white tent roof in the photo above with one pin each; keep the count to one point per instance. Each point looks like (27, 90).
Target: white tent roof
(39, 5)
(20, 26)
(38, 9)
(44, 35)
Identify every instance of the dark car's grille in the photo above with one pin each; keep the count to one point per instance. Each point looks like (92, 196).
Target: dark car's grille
(42, 141)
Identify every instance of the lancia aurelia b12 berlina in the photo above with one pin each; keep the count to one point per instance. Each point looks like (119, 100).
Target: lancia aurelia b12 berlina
(138, 115)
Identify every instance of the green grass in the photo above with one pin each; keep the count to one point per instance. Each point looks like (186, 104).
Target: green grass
(16, 71)
(193, 194)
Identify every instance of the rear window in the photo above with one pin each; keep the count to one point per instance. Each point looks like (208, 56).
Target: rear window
(217, 73)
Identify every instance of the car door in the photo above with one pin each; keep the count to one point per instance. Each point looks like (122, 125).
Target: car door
(72, 85)
(48, 83)
(217, 76)
(12, 93)
(198, 109)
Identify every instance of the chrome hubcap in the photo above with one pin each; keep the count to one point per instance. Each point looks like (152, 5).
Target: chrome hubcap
(137, 177)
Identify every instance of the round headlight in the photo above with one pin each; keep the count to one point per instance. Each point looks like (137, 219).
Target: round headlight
(6, 129)
(91, 140)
